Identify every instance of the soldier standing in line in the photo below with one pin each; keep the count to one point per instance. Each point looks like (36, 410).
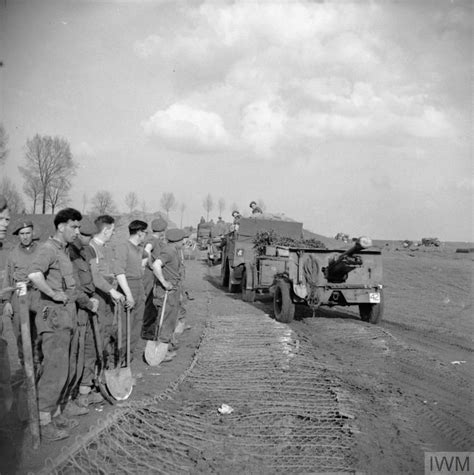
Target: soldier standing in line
(152, 247)
(167, 270)
(87, 304)
(129, 265)
(157, 240)
(52, 273)
(16, 272)
(100, 258)
(6, 395)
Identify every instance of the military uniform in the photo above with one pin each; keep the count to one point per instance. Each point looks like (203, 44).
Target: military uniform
(54, 322)
(128, 262)
(18, 262)
(81, 364)
(101, 262)
(172, 272)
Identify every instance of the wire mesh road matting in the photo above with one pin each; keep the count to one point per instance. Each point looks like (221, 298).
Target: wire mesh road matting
(285, 416)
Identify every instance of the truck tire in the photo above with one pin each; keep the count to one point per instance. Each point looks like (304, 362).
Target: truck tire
(283, 306)
(247, 294)
(372, 312)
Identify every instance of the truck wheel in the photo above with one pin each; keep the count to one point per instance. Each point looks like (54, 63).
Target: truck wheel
(371, 312)
(247, 294)
(283, 306)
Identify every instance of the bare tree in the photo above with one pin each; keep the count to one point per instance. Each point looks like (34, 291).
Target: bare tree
(13, 197)
(50, 160)
(131, 201)
(3, 145)
(32, 188)
(144, 208)
(182, 208)
(208, 204)
(168, 202)
(58, 193)
(221, 205)
(102, 203)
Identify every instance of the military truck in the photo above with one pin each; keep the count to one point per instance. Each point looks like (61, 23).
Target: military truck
(203, 234)
(302, 275)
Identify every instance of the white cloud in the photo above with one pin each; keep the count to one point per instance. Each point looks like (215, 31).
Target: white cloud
(330, 69)
(263, 124)
(185, 128)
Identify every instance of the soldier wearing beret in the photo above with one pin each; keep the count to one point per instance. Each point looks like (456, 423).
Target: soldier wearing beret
(168, 273)
(16, 273)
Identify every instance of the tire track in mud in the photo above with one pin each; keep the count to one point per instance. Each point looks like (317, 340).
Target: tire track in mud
(406, 400)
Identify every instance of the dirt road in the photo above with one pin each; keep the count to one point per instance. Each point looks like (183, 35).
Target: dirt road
(324, 393)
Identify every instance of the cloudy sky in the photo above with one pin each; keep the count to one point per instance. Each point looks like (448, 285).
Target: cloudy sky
(348, 116)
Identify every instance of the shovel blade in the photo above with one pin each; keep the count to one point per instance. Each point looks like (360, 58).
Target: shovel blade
(155, 352)
(119, 382)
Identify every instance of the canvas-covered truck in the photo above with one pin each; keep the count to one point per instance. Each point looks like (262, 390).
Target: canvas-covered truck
(299, 275)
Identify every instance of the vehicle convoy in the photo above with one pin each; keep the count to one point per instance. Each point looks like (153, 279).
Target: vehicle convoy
(298, 274)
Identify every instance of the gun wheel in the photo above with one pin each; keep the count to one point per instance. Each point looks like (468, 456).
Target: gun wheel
(371, 312)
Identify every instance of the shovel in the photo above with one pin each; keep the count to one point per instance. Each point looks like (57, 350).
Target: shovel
(33, 414)
(155, 351)
(119, 380)
(100, 378)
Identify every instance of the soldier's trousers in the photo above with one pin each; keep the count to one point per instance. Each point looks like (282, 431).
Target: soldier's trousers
(54, 323)
(136, 315)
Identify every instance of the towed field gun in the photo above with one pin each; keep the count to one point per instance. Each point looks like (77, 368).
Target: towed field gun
(339, 267)
(299, 274)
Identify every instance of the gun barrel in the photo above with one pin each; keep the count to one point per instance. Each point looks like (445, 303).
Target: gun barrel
(361, 243)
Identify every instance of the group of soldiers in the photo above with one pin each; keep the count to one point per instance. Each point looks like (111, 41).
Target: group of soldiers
(81, 289)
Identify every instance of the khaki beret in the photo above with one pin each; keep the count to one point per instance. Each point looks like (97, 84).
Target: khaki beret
(158, 225)
(88, 228)
(21, 225)
(175, 235)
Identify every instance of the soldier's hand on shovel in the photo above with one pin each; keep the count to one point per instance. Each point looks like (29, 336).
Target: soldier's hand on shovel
(129, 302)
(117, 296)
(167, 285)
(95, 305)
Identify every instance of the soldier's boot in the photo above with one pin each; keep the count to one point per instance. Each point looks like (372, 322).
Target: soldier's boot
(65, 423)
(48, 430)
(73, 409)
